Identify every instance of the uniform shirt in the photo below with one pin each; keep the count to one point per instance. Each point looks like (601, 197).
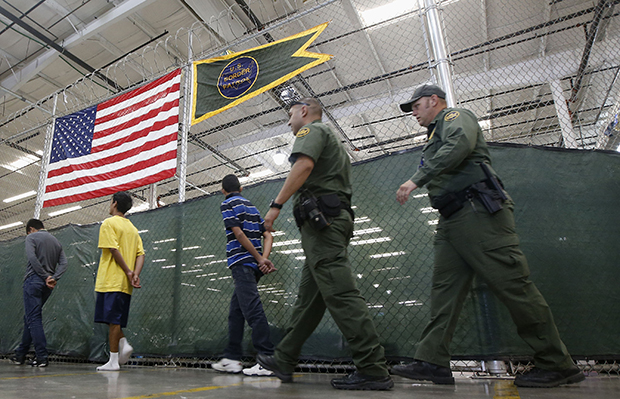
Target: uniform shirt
(117, 232)
(451, 158)
(332, 167)
(45, 256)
(239, 212)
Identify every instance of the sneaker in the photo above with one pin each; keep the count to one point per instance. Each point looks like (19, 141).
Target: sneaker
(363, 382)
(39, 363)
(425, 371)
(18, 359)
(228, 366)
(270, 363)
(539, 378)
(257, 370)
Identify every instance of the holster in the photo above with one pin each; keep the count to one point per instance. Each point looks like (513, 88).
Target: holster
(490, 198)
(450, 203)
(319, 212)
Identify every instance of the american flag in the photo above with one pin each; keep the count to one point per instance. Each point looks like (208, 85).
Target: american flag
(123, 143)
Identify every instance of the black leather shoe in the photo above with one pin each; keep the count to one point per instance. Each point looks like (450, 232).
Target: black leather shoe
(363, 382)
(539, 378)
(425, 371)
(270, 363)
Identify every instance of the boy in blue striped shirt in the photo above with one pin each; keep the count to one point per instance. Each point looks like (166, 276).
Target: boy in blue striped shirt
(248, 263)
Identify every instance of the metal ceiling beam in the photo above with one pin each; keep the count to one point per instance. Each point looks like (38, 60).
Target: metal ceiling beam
(24, 75)
(55, 46)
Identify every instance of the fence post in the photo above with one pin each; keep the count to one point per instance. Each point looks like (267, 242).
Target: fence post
(186, 120)
(444, 75)
(45, 160)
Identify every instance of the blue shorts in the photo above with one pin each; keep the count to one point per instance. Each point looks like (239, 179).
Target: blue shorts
(112, 308)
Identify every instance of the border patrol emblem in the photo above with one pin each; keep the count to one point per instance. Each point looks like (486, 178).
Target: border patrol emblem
(303, 132)
(450, 116)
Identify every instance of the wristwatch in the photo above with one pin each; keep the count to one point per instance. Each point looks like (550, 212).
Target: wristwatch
(274, 204)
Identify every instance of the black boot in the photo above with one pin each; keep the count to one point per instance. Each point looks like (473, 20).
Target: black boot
(425, 371)
(363, 382)
(539, 378)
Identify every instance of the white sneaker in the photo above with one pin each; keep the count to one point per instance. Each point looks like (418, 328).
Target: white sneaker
(228, 366)
(257, 370)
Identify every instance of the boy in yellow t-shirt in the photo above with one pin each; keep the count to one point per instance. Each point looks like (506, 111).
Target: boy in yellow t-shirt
(122, 258)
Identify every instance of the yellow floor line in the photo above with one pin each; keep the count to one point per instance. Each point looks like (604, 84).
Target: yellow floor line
(505, 390)
(50, 375)
(201, 389)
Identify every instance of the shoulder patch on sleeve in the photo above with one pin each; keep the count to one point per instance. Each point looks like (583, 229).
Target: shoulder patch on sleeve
(450, 116)
(302, 132)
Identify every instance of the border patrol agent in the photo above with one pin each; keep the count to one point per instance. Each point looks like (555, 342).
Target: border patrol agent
(320, 179)
(475, 236)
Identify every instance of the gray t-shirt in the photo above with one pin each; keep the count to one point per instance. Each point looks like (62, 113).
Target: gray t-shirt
(45, 255)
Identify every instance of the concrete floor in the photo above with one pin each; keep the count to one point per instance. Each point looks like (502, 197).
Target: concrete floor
(66, 380)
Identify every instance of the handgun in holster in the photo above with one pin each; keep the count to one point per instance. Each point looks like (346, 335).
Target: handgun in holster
(490, 192)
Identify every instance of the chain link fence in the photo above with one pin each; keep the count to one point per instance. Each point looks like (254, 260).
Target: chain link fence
(533, 72)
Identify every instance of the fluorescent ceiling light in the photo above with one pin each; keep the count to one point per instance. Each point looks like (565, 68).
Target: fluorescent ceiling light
(279, 158)
(289, 242)
(256, 175)
(371, 241)
(8, 226)
(291, 251)
(66, 210)
(21, 196)
(367, 231)
(21, 162)
(386, 255)
(387, 11)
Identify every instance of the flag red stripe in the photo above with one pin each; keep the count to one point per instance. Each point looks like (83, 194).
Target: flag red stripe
(124, 97)
(114, 158)
(138, 134)
(113, 174)
(111, 190)
(135, 121)
(142, 104)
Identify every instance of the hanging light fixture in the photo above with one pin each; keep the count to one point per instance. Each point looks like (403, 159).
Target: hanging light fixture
(279, 158)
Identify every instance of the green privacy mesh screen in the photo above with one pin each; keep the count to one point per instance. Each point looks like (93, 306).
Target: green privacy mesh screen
(566, 214)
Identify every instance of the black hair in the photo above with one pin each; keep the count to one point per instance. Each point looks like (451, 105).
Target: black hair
(123, 201)
(230, 184)
(35, 224)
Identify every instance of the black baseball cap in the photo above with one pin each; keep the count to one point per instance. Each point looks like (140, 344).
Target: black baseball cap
(422, 91)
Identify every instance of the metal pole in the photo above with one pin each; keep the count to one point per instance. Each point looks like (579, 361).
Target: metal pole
(186, 119)
(568, 134)
(45, 160)
(444, 75)
(153, 196)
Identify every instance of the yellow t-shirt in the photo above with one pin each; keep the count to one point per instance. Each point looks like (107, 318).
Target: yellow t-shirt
(117, 232)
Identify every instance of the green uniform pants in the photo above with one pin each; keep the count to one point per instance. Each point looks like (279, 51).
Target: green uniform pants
(487, 245)
(327, 282)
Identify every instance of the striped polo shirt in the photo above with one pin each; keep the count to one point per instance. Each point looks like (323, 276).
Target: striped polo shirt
(239, 212)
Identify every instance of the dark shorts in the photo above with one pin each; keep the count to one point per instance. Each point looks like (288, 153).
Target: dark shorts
(112, 308)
